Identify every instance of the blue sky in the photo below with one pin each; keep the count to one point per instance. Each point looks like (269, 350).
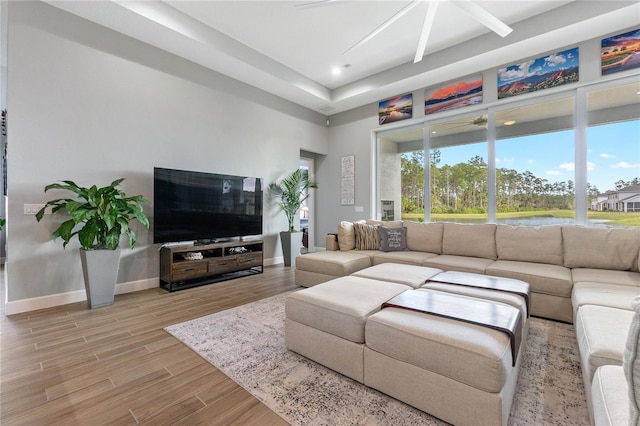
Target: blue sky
(613, 154)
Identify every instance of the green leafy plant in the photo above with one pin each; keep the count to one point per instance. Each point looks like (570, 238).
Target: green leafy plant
(99, 216)
(3, 222)
(291, 192)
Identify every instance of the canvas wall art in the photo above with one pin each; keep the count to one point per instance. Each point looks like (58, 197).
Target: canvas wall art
(539, 74)
(395, 109)
(453, 95)
(620, 52)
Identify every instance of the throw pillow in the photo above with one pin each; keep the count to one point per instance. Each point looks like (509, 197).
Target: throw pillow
(631, 364)
(367, 237)
(346, 236)
(393, 239)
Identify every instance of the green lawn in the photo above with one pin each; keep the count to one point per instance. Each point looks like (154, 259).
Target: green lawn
(613, 218)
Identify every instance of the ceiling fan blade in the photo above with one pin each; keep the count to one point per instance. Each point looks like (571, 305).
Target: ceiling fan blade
(432, 7)
(484, 17)
(385, 24)
(315, 3)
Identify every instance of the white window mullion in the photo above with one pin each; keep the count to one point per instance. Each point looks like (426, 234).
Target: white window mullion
(580, 134)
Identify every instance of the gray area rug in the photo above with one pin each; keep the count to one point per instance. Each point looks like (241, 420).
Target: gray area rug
(247, 344)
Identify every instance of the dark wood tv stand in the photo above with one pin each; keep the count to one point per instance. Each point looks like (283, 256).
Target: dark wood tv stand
(193, 265)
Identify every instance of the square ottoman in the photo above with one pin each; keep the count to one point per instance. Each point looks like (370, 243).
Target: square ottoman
(460, 372)
(326, 322)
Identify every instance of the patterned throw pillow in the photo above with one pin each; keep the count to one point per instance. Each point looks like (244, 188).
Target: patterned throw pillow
(367, 237)
(393, 239)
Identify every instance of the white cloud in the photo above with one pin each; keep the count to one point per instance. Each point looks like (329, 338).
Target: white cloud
(553, 172)
(531, 161)
(555, 60)
(605, 155)
(570, 167)
(625, 165)
(519, 71)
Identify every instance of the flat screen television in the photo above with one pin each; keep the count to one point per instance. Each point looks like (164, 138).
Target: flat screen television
(204, 207)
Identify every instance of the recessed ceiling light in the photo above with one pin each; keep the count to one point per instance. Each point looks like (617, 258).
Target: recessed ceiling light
(433, 132)
(510, 123)
(336, 70)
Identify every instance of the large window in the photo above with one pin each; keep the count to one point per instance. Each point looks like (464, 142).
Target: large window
(568, 157)
(458, 169)
(614, 154)
(535, 163)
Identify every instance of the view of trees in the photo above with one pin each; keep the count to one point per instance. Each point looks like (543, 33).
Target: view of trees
(462, 188)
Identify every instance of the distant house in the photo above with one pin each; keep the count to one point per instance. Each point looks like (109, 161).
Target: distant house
(623, 200)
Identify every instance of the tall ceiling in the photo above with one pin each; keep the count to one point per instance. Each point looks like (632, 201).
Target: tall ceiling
(290, 48)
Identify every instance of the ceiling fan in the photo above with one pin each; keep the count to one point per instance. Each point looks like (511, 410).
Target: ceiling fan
(480, 121)
(468, 6)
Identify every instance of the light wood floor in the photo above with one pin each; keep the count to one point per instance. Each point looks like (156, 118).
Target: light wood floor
(116, 365)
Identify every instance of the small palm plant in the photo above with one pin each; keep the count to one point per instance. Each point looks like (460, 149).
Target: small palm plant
(291, 192)
(102, 214)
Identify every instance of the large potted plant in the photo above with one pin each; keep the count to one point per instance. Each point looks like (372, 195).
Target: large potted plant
(98, 217)
(290, 193)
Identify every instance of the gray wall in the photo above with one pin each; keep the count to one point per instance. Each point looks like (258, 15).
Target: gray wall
(91, 105)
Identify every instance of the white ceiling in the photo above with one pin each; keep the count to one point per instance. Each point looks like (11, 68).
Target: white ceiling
(289, 50)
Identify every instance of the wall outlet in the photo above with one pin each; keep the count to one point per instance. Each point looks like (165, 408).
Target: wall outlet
(34, 208)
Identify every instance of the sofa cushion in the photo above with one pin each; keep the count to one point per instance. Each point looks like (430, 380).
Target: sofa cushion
(539, 244)
(447, 262)
(631, 364)
(554, 280)
(406, 257)
(392, 239)
(477, 240)
(367, 237)
(341, 306)
(347, 235)
(425, 237)
(611, 295)
(606, 276)
(609, 397)
(601, 248)
(336, 263)
(601, 333)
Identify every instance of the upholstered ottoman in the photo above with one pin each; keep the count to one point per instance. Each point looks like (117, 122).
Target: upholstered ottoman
(411, 275)
(326, 322)
(318, 267)
(460, 372)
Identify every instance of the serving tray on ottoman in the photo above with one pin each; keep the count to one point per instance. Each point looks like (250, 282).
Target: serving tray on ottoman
(497, 316)
(467, 279)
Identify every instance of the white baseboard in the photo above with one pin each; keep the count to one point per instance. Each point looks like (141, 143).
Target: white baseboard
(43, 302)
(273, 261)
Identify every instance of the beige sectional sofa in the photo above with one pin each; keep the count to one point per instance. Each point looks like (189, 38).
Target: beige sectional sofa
(582, 275)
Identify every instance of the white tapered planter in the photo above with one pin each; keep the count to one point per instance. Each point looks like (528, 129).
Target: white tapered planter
(291, 246)
(100, 270)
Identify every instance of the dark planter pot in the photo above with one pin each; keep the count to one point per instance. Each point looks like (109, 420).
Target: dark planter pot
(291, 246)
(100, 270)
